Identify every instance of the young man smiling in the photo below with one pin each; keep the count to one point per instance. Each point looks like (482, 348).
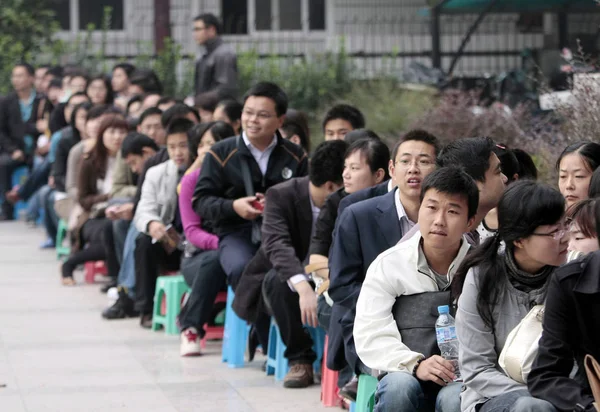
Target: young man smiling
(421, 266)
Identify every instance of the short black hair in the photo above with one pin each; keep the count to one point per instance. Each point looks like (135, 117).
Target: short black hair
(290, 129)
(135, 142)
(210, 20)
(375, 152)
(128, 68)
(138, 98)
(77, 94)
(527, 168)
(166, 99)
(270, 91)
(327, 163)
(28, 67)
(345, 112)
(56, 82)
(417, 135)
(177, 111)
(360, 134)
(594, 189)
(81, 73)
(453, 181)
(147, 80)
(508, 161)
(56, 71)
(207, 101)
(151, 111)
(97, 111)
(471, 154)
(232, 108)
(180, 125)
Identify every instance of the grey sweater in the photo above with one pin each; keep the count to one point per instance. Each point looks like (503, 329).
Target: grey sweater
(480, 345)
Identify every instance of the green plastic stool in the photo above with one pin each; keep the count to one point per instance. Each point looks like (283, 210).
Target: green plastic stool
(365, 397)
(62, 251)
(172, 288)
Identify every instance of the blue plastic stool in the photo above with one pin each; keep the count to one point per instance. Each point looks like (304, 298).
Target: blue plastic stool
(277, 364)
(235, 335)
(353, 407)
(19, 176)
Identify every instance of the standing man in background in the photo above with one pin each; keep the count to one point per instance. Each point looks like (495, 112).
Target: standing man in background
(216, 69)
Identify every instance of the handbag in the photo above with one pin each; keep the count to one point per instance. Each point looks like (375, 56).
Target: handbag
(522, 345)
(592, 370)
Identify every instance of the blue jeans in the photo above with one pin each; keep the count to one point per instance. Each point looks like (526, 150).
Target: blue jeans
(35, 202)
(516, 401)
(50, 216)
(235, 251)
(400, 391)
(120, 230)
(127, 272)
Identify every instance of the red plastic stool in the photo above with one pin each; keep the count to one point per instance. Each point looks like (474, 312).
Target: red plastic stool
(329, 378)
(214, 332)
(94, 268)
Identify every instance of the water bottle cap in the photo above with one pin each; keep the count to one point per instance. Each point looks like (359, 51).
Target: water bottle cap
(443, 309)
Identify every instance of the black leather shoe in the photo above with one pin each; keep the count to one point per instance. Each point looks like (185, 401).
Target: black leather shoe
(253, 343)
(122, 308)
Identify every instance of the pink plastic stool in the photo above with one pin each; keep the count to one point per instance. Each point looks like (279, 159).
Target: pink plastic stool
(329, 378)
(214, 332)
(94, 268)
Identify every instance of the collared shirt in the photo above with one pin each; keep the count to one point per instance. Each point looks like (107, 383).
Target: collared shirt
(261, 157)
(423, 267)
(405, 223)
(390, 186)
(294, 280)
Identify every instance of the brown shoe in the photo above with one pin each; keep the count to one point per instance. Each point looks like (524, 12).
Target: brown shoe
(299, 376)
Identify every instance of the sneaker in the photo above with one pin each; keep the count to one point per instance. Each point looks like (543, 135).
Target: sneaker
(190, 343)
(300, 376)
(348, 392)
(47, 244)
(122, 308)
(112, 295)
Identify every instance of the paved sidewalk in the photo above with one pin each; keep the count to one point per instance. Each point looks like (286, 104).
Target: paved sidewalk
(58, 354)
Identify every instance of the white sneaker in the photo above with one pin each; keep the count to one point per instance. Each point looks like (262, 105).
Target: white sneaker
(190, 343)
(112, 294)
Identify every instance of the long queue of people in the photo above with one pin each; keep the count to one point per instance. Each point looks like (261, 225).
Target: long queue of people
(360, 240)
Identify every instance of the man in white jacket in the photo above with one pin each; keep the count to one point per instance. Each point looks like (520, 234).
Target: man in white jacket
(424, 263)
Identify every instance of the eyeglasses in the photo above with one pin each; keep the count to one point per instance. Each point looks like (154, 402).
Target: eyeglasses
(420, 164)
(556, 235)
(199, 28)
(260, 115)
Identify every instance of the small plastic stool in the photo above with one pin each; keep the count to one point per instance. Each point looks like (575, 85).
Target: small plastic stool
(61, 234)
(19, 177)
(277, 364)
(173, 289)
(365, 397)
(92, 269)
(214, 332)
(235, 335)
(329, 379)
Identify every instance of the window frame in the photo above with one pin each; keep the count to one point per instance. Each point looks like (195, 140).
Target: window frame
(97, 33)
(305, 31)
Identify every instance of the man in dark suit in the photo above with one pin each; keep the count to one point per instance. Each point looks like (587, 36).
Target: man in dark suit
(19, 128)
(366, 229)
(291, 210)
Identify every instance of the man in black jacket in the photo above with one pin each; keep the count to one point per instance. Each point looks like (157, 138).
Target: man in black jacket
(216, 69)
(233, 206)
(19, 128)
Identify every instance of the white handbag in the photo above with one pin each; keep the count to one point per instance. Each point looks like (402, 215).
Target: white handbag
(521, 346)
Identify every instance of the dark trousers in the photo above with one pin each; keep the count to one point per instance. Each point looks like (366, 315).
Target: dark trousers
(92, 241)
(108, 241)
(235, 251)
(7, 166)
(284, 305)
(202, 273)
(38, 178)
(149, 260)
(50, 216)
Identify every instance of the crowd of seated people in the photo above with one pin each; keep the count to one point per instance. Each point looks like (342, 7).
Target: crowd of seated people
(346, 235)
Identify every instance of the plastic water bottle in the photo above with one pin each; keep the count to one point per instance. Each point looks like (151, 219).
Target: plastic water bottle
(445, 330)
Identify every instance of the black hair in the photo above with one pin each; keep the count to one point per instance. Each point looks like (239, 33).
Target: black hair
(177, 111)
(128, 68)
(77, 94)
(301, 119)
(419, 136)
(524, 206)
(345, 112)
(290, 129)
(56, 82)
(594, 190)
(453, 181)
(180, 125)
(135, 142)
(87, 106)
(471, 154)
(360, 134)
(583, 215)
(375, 152)
(232, 108)
(589, 152)
(28, 67)
(110, 95)
(527, 168)
(134, 99)
(270, 91)
(166, 99)
(210, 20)
(80, 73)
(56, 71)
(96, 111)
(147, 80)
(327, 163)
(207, 101)
(508, 162)
(219, 131)
(151, 111)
